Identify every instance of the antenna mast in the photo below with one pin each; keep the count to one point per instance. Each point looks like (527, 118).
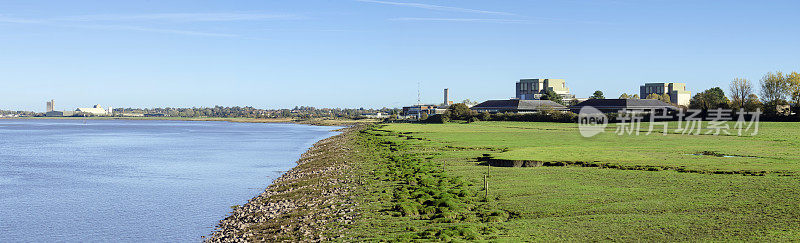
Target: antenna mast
(419, 101)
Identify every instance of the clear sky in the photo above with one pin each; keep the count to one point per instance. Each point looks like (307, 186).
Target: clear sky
(373, 53)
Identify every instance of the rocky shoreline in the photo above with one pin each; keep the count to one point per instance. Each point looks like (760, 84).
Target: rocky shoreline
(308, 203)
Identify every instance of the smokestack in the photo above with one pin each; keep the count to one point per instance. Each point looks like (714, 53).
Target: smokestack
(446, 92)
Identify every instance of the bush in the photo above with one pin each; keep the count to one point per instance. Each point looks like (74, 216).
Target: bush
(544, 116)
(438, 118)
(485, 116)
(459, 111)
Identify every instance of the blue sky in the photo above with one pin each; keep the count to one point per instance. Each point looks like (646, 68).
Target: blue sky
(373, 53)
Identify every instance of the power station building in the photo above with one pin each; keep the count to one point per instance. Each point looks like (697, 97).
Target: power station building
(677, 92)
(96, 110)
(51, 110)
(51, 105)
(534, 89)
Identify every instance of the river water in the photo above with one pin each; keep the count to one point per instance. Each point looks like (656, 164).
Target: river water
(136, 180)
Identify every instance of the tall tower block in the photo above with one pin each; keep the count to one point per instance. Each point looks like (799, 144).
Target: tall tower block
(446, 94)
(51, 105)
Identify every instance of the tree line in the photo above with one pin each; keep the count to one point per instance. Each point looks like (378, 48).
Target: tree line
(18, 113)
(299, 112)
(778, 95)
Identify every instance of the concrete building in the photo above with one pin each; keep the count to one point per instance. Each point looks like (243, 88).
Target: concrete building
(52, 112)
(518, 106)
(533, 89)
(59, 113)
(677, 92)
(51, 105)
(96, 110)
(447, 101)
(417, 110)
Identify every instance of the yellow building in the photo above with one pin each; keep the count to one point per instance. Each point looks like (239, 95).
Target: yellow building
(677, 92)
(534, 89)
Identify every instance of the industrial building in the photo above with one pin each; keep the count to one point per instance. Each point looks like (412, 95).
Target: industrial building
(518, 106)
(52, 112)
(616, 105)
(59, 113)
(51, 105)
(677, 92)
(534, 89)
(419, 109)
(96, 110)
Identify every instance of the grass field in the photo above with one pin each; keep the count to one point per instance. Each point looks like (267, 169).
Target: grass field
(678, 196)
(774, 149)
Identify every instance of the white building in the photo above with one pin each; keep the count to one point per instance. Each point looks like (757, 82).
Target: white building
(96, 110)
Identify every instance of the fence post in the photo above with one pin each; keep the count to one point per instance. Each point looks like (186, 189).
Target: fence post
(486, 187)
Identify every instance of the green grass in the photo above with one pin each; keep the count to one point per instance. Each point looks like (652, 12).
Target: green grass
(592, 203)
(774, 149)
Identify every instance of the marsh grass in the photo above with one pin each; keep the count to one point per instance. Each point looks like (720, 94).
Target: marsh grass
(414, 197)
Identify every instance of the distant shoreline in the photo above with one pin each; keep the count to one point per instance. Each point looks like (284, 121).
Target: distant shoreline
(313, 121)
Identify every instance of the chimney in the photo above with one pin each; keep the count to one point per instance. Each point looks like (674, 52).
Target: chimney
(446, 92)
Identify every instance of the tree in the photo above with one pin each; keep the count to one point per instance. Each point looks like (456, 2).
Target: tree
(438, 118)
(460, 111)
(485, 116)
(712, 98)
(740, 89)
(653, 96)
(774, 88)
(636, 96)
(665, 98)
(793, 80)
(624, 96)
(469, 102)
(752, 103)
(597, 95)
(552, 96)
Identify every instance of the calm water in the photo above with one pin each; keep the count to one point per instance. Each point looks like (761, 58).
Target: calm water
(70, 180)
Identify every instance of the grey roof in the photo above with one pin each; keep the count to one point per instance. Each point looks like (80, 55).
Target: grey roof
(625, 103)
(515, 104)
